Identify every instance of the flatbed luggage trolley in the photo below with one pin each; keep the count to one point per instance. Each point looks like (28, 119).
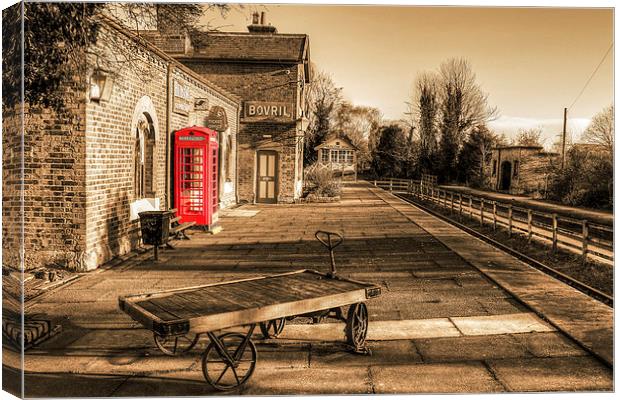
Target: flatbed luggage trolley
(178, 317)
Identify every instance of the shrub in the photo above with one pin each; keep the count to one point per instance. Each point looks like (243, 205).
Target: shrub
(585, 181)
(320, 181)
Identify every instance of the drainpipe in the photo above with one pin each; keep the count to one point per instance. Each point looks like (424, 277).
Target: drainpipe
(170, 70)
(237, 155)
(498, 177)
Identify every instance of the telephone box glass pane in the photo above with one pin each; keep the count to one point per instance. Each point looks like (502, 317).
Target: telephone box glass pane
(192, 184)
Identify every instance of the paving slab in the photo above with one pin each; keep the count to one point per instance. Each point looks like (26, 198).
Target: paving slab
(396, 352)
(151, 386)
(351, 380)
(469, 348)
(66, 385)
(564, 374)
(377, 330)
(550, 344)
(500, 324)
(465, 377)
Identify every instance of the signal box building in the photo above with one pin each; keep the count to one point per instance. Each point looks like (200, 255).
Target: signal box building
(269, 72)
(339, 155)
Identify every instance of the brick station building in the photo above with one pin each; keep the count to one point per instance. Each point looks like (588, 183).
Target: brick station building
(520, 169)
(88, 172)
(269, 72)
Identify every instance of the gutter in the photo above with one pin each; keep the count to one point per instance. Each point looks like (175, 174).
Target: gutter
(169, 72)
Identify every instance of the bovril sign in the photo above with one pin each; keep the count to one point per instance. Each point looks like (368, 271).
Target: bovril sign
(267, 111)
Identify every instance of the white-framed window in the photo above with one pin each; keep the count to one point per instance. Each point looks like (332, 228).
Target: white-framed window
(349, 157)
(325, 156)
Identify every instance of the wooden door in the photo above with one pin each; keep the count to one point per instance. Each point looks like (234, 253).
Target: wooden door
(267, 177)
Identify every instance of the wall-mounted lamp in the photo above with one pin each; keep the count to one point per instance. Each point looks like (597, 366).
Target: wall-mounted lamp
(101, 83)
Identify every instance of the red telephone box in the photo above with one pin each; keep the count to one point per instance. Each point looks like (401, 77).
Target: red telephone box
(195, 175)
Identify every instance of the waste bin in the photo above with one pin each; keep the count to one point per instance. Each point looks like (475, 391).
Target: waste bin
(155, 228)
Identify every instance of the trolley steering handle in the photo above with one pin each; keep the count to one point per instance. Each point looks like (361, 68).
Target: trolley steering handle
(331, 245)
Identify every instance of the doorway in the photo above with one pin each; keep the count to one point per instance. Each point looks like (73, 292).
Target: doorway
(267, 176)
(506, 175)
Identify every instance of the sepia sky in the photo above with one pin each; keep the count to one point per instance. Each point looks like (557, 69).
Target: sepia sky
(532, 62)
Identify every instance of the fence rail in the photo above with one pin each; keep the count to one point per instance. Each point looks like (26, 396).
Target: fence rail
(591, 240)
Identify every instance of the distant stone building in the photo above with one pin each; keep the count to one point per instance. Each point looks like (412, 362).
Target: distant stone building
(339, 155)
(90, 170)
(520, 169)
(269, 72)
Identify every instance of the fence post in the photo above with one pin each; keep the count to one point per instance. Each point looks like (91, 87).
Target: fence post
(481, 212)
(494, 215)
(375, 182)
(471, 208)
(390, 185)
(529, 225)
(554, 223)
(584, 239)
(510, 220)
(460, 206)
(445, 199)
(451, 202)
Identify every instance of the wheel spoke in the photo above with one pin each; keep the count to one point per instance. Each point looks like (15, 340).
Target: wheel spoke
(237, 353)
(222, 374)
(234, 370)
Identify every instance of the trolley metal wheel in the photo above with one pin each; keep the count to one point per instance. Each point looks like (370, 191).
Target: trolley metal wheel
(357, 326)
(229, 360)
(271, 329)
(175, 345)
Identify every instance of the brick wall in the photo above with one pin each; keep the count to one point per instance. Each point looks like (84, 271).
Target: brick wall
(533, 173)
(261, 82)
(533, 169)
(78, 181)
(53, 190)
(110, 150)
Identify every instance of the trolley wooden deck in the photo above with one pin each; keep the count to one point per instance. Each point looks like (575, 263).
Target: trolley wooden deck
(218, 306)
(177, 317)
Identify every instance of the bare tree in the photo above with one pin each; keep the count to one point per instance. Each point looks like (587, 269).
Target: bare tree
(361, 125)
(463, 105)
(322, 99)
(601, 129)
(424, 108)
(528, 137)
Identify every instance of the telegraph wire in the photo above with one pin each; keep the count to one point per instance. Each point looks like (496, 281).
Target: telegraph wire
(592, 76)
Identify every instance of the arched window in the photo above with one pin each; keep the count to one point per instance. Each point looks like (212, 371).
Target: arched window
(144, 157)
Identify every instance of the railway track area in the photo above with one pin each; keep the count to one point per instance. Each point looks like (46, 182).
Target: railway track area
(591, 278)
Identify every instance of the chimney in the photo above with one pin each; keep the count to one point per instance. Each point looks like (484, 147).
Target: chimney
(261, 27)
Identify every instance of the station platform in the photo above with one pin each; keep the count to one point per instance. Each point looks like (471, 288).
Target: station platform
(455, 316)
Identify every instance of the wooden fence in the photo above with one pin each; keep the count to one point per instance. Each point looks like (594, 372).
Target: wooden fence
(584, 237)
